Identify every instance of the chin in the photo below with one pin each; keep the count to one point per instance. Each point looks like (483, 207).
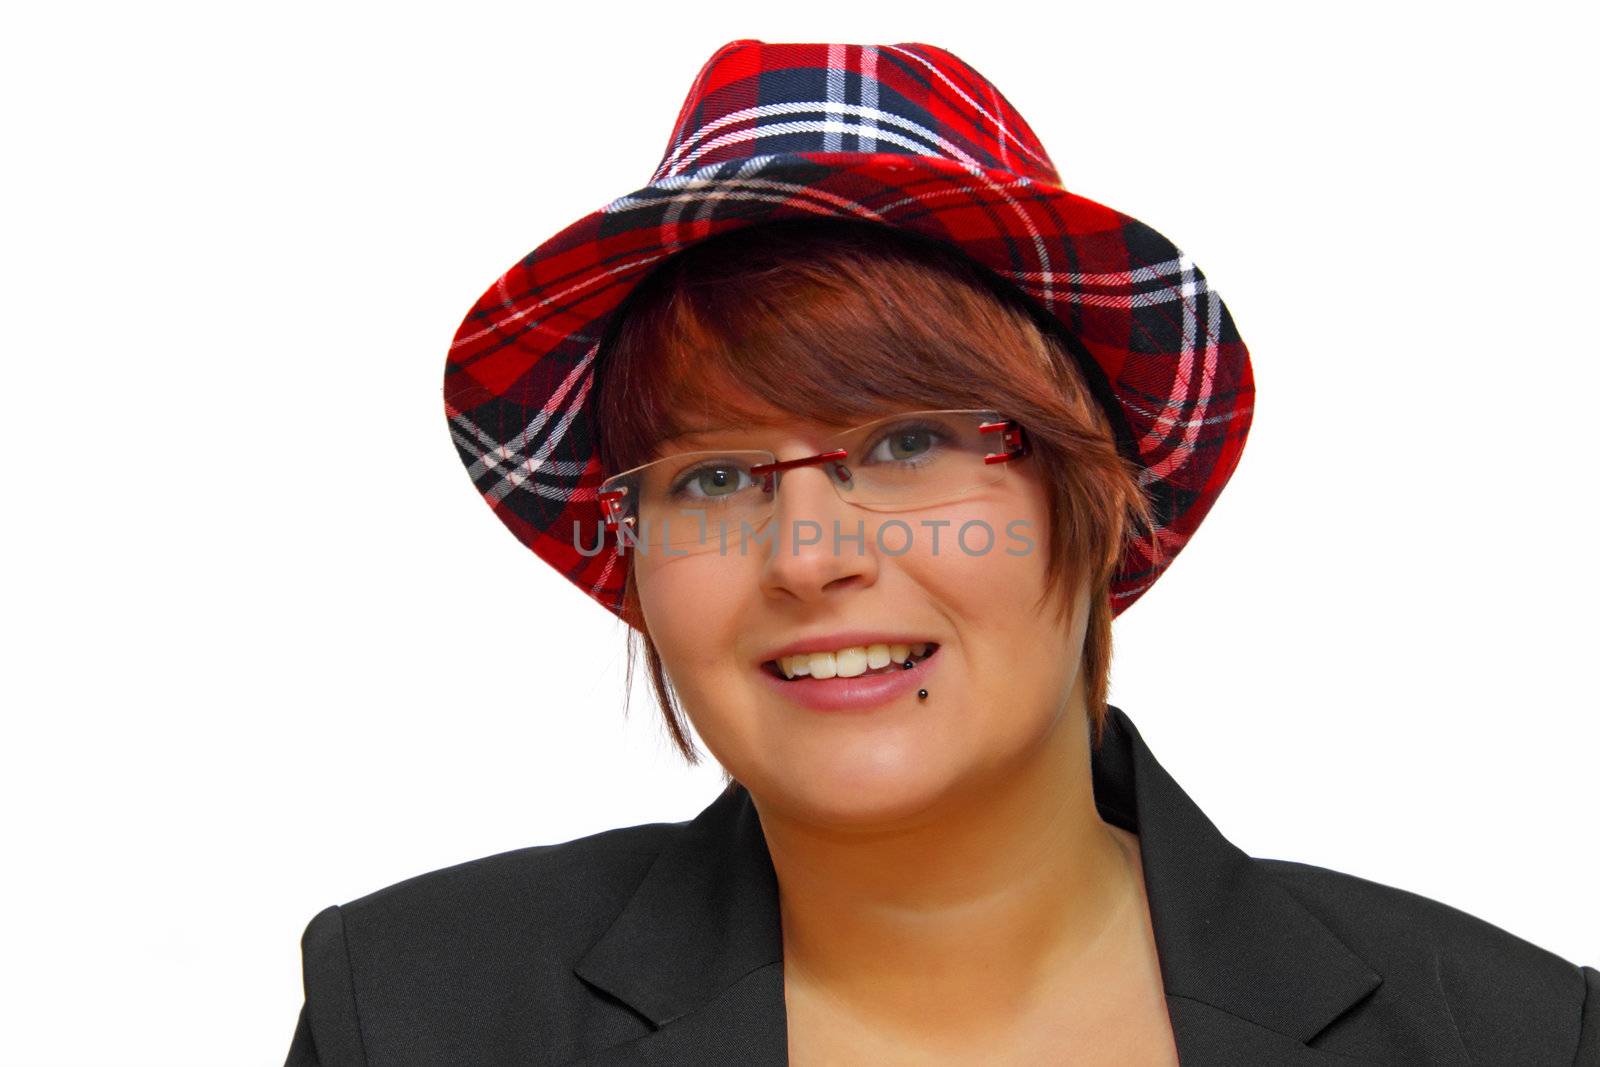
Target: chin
(875, 786)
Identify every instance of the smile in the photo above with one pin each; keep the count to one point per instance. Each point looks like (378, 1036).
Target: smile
(852, 662)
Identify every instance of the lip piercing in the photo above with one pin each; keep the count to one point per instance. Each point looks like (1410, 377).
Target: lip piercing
(922, 694)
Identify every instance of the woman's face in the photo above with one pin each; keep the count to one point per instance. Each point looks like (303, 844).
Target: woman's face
(998, 683)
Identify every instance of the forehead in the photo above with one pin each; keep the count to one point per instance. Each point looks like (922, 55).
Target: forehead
(718, 430)
(783, 390)
(731, 414)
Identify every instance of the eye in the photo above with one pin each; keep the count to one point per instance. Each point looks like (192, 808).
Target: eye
(904, 443)
(712, 480)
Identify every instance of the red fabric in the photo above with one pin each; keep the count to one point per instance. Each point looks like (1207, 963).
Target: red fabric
(905, 135)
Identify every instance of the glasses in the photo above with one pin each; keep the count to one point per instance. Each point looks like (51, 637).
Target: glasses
(900, 462)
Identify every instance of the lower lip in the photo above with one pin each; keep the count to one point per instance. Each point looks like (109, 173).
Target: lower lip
(861, 693)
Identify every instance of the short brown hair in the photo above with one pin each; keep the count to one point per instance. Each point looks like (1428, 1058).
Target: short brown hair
(779, 312)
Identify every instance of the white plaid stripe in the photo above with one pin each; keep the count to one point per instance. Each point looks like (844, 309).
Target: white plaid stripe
(507, 459)
(1081, 286)
(1177, 402)
(999, 126)
(1200, 419)
(831, 139)
(768, 192)
(517, 469)
(872, 120)
(1147, 273)
(599, 585)
(552, 300)
(869, 97)
(1170, 419)
(926, 199)
(830, 128)
(1041, 254)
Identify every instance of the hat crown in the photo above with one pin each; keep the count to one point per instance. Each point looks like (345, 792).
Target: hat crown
(753, 99)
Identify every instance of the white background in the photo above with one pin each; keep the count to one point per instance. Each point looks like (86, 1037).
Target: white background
(267, 650)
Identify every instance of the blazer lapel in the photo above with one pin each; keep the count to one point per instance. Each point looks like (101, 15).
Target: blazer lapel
(1207, 1036)
(698, 949)
(1250, 975)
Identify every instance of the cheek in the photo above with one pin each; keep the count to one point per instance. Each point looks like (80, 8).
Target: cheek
(989, 564)
(693, 606)
(1016, 652)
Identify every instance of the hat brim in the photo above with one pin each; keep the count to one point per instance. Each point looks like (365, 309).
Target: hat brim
(1178, 377)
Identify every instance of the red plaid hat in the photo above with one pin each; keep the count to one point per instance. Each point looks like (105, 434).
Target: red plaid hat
(904, 135)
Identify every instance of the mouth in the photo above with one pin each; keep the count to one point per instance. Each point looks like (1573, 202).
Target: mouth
(854, 662)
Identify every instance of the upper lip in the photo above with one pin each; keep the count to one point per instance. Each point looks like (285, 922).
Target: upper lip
(844, 639)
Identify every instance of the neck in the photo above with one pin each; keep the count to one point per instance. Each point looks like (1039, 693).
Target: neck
(969, 915)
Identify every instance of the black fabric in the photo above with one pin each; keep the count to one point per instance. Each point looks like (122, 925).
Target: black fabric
(661, 944)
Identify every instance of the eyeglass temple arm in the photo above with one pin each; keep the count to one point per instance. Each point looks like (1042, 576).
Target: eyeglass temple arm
(1011, 437)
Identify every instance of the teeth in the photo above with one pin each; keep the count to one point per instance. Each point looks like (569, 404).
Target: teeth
(849, 662)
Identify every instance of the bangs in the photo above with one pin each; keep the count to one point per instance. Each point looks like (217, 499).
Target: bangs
(831, 323)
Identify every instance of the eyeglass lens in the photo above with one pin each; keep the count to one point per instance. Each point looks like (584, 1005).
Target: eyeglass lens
(901, 462)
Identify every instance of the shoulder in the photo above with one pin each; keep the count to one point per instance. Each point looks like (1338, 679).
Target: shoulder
(452, 960)
(578, 875)
(1498, 990)
(555, 893)
(1384, 923)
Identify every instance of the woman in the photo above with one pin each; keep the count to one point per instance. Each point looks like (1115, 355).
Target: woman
(868, 429)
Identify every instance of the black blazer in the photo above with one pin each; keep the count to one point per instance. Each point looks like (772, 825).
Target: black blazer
(661, 944)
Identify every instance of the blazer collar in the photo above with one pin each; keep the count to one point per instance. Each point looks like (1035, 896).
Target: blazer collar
(1250, 975)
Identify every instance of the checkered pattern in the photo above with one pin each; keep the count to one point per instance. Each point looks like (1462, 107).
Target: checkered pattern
(904, 135)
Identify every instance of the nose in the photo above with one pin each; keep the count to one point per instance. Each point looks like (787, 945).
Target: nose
(807, 559)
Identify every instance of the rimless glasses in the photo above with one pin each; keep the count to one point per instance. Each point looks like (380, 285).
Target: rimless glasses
(901, 462)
